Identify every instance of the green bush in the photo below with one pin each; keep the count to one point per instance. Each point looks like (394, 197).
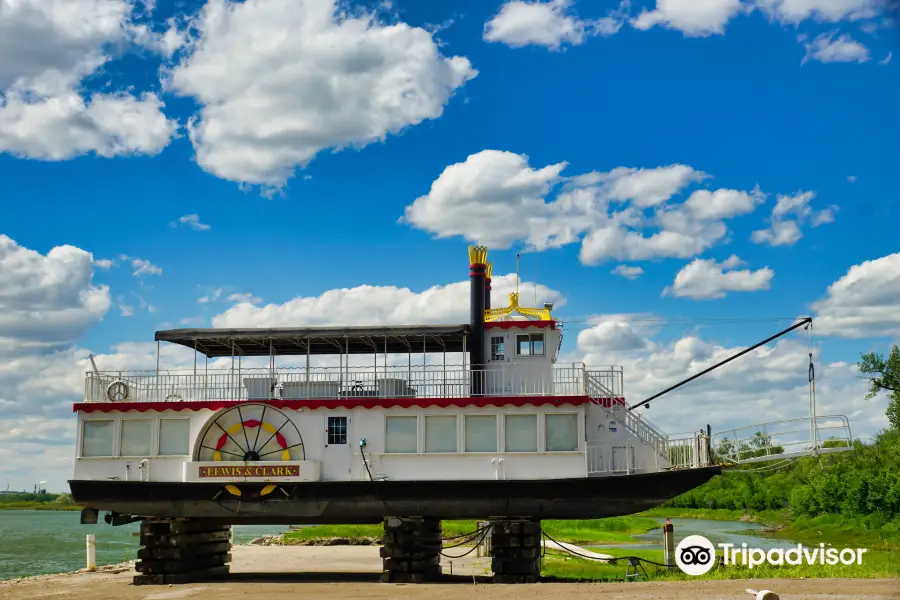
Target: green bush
(857, 483)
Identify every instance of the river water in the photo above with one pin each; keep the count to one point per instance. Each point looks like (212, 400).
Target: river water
(33, 542)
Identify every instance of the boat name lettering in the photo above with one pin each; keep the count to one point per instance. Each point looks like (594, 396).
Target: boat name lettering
(255, 471)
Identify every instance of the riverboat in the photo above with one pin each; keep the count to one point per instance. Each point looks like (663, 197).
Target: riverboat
(361, 424)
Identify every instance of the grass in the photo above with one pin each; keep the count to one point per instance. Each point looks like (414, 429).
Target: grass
(37, 506)
(875, 564)
(615, 530)
(838, 530)
(719, 514)
(27, 501)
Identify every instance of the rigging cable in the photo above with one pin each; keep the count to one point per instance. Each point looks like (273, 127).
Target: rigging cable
(613, 560)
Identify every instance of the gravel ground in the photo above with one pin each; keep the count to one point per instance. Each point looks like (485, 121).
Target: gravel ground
(341, 572)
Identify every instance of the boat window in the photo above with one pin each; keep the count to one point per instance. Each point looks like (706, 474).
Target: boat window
(337, 430)
(135, 437)
(497, 343)
(521, 433)
(440, 433)
(174, 437)
(97, 439)
(481, 433)
(530, 344)
(402, 436)
(561, 432)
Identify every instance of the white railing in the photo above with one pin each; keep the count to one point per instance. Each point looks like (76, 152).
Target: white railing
(688, 450)
(754, 443)
(646, 431)
(331, 383)
(605, 382)
(620, 459)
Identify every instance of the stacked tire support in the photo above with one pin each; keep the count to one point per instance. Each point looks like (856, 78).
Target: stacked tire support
(516, 551)
(182, 552)
(411, 551)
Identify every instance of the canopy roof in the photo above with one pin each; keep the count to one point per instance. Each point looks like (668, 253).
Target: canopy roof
(291, 341)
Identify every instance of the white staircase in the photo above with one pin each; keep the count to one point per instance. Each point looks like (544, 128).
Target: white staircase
(604, 388)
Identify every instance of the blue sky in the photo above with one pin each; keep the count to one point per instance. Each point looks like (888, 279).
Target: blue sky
(298, 191)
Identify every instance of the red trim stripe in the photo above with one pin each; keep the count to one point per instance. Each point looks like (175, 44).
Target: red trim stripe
(89, 407)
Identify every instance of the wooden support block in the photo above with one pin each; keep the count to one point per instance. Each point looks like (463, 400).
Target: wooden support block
(502, 579)
(211, 574)
(516, 553)
(196, 526)
(177, 553)
(184, 539)
(182, 566)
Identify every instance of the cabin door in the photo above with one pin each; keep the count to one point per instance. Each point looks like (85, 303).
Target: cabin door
(336, 454)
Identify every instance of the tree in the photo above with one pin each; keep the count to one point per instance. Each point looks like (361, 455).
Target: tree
(884, 376)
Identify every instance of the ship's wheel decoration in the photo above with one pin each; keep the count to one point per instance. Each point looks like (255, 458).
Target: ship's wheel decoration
(117, 391)
(251, 433)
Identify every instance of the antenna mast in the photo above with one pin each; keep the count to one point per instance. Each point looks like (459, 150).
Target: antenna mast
(517, 273)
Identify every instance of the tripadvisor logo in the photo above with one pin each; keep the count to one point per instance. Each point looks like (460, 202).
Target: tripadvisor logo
(696, 555)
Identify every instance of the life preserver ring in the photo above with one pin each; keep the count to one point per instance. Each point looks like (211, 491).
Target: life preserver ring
(117, 391)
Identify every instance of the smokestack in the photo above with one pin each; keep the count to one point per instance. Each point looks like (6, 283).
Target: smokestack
(487, 286)
(477, 283)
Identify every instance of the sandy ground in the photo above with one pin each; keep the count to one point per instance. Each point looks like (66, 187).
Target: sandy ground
(339, 572)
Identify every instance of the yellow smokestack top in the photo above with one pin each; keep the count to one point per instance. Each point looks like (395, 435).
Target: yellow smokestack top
(490, 268)
(478, 255)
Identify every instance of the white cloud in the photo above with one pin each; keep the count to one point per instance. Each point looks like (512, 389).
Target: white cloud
(694, 18)
(708, 279)
(380, 305)
(851, 178)
(723, 203)
(611, 334)
(192, 221)
(280, 81)
(47, 298)
(789, 213)
(795, 11)
(143, 267)
(46, 49)
(104, 263)
(244, 298)
(864, 302)
(550, 24)
(605, 211)
(779, 233)
(887, 59)
(828, 49)
(646, 188)
(211, 297)
(628, 272)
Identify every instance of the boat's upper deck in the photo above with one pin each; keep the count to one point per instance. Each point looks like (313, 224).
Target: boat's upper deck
(423, 361)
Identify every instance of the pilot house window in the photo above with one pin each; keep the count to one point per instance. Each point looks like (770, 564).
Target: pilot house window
(497, 348)
(530, 344)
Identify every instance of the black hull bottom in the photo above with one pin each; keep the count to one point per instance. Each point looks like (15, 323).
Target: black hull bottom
(339, 502)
